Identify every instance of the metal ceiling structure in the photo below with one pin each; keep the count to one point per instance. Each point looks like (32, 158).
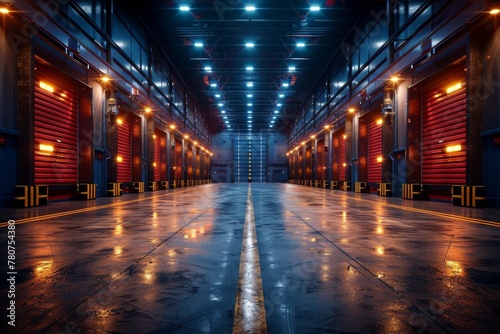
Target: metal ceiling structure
(251, 65)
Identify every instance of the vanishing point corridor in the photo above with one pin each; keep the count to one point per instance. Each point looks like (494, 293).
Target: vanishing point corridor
(255, 258)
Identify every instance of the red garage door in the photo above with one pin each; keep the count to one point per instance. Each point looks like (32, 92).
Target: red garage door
(341, 159)
(375, 149)
(124, 149)
(56, 128)
(444, 130)
(157, 148)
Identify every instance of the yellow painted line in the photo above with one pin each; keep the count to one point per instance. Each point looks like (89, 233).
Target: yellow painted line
(249, 310)
(76, 211)
(428, 212)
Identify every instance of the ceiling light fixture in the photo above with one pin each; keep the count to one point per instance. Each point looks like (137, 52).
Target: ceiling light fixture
(315, 8)
(250, 45)
(184, 8)
(291, 68)
(250, 84)
(250, 8)
(198, 44)
(249, 68)
(301, 45)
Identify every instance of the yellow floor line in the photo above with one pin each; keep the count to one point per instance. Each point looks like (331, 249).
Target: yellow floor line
(435, 213)
(76, 211)
(428, 212)
(249, 311)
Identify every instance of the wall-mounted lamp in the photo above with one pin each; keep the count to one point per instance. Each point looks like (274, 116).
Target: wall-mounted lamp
(388, 104)
(494, 6)
(111, 104)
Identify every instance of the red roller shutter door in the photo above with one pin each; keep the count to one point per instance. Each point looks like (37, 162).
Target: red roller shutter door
(124, 150)
(157, 163)
(375, 149)
(178, 160)
(444, 130)
(342, 162)
(56, 128)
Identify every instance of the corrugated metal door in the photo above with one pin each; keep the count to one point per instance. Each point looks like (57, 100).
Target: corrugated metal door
(342, 162)
(124, 150)
(444, 130)
(56, 129)
(375, 149)
(178, 160)
(189, 163)
(156, 162)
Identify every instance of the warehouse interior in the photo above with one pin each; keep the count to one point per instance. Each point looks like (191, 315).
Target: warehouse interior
(164, 140)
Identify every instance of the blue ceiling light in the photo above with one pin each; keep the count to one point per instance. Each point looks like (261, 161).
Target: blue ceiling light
(249, 95)
(249, 104)
(249, 45)
(279, 104)
(217, 95)
(184, 8)
(276, 111)
(249, 68)
(250, 8)
(249, 84)
(286, 84)
(282, 95)
(208, 69)
(220, 104)
(198, 44)
(315, 8)
(213, 85)
(301, 45)
(291, 69)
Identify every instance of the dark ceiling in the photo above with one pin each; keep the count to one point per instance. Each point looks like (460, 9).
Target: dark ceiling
(276, 28)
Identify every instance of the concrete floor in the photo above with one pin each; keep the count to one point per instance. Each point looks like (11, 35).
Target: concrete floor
(328, 262)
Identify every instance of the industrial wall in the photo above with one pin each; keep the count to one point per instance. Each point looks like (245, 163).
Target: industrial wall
(420, 109)
(83, 116)
(249, 157)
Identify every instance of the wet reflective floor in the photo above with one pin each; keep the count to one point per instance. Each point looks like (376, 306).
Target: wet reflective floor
(186, 260)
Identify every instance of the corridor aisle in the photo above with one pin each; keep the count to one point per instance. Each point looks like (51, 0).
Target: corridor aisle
(330, 261)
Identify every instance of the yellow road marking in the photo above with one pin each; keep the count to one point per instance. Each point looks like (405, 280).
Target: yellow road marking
(249, 310)
(76, 211)
(428, 212)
